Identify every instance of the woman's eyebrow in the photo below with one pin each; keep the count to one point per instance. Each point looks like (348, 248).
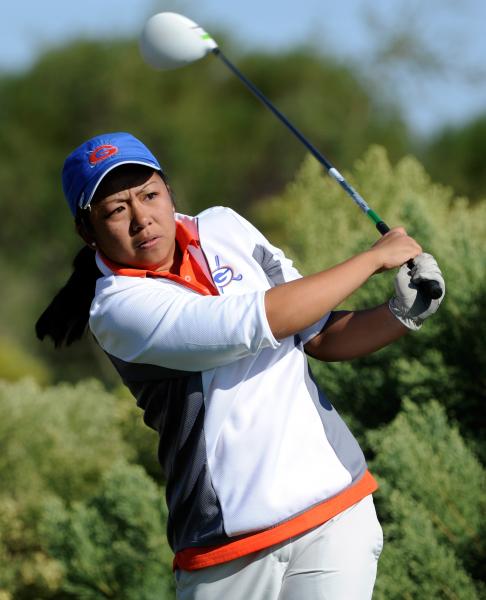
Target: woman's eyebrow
(115, 196)
(146, 185)
(113, 199)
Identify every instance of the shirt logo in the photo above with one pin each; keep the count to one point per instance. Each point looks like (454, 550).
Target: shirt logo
(100, 153)
(224, 275)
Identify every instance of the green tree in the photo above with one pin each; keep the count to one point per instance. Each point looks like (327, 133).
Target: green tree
(26, 568)
(63, 455)
(112, 545)
(432, 503)
(57, 440)
(455, 156)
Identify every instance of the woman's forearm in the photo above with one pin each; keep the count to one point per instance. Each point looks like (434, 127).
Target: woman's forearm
(349, 335)
(293, 306)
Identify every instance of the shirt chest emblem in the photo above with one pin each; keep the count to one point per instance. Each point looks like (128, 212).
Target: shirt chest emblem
(223, 275)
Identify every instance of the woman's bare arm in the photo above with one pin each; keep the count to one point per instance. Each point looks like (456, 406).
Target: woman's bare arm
(294, 306)
(349, 335)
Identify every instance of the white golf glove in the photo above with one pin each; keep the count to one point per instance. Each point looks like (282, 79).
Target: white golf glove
(408, 305)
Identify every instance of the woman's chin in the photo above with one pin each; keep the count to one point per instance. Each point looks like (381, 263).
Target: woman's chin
(152, 263)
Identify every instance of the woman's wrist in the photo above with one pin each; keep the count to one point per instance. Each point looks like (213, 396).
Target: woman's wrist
(372, 261)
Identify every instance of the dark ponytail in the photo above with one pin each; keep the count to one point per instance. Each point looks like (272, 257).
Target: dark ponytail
(66, 318)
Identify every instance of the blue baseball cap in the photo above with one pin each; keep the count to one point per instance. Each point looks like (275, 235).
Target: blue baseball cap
(85, 167)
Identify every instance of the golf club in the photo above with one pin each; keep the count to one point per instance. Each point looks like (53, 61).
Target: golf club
(170, 40)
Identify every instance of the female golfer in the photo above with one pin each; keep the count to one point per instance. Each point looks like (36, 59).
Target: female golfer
(209, 325)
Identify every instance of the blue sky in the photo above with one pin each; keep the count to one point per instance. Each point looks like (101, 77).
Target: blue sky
(455, 27)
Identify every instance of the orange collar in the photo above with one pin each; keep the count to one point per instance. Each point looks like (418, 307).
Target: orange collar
(190, 274)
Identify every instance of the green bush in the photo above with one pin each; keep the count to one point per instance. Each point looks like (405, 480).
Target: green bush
(26, 568)
(432, 503)
(112, 545)
(57, 440)
(70, 505)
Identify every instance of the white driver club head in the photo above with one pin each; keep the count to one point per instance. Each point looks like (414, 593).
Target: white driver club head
(170, 40)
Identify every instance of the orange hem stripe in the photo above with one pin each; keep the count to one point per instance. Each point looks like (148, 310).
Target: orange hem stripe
(191, 559)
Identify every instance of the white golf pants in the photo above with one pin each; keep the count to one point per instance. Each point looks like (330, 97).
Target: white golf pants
(335, 561)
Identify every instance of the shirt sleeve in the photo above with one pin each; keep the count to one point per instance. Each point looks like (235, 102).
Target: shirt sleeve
(152, 322)
(278, 269)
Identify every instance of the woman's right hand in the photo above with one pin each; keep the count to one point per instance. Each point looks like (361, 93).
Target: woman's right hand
(394, 249)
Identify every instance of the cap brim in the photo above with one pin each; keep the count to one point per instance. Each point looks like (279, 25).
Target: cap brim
(84, 204)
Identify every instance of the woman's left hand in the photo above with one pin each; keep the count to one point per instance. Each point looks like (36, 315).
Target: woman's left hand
(409, 305)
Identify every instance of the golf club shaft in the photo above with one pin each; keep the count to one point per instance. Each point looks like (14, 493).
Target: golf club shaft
(430, 289)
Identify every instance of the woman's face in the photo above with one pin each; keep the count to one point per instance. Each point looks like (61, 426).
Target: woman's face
(132, 219)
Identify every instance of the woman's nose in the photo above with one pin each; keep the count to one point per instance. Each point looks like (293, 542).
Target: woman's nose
(139, 223)
(140, 217)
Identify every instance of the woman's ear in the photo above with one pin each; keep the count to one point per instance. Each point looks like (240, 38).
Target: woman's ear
(85, 234)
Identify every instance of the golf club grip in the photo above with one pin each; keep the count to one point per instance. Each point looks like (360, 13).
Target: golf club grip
(429, 289)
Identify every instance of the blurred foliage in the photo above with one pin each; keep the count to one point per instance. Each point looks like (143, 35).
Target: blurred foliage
(16, 363)
(432, 504)
(57, 440)
(318, 225)
(76, 519)
(27, 570)
(106, 538)
(113, 545)
(456, 156)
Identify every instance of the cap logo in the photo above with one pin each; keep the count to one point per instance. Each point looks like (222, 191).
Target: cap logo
(100, 153)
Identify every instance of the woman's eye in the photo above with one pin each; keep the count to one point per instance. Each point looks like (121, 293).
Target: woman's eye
(117, 211)
(151, 195)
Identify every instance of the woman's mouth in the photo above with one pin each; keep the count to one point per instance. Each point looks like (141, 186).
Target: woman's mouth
(147, 244)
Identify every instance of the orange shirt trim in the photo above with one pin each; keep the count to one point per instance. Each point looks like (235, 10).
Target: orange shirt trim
(191, 559)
